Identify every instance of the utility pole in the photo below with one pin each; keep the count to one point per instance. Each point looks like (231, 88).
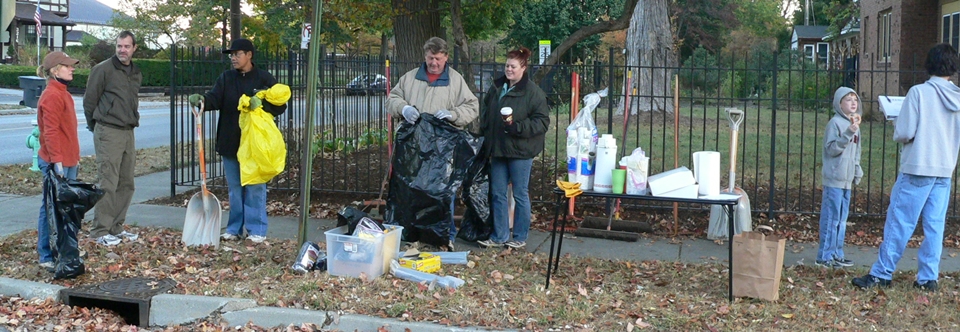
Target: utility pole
(234, 19)
(806, 12)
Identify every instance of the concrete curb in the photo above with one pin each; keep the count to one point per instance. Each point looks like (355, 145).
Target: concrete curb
(176, 309)
(273, 316)
(28, 289)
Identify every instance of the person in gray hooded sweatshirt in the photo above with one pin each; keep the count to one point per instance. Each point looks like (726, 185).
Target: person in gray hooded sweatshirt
(841, 170)
(929, 129)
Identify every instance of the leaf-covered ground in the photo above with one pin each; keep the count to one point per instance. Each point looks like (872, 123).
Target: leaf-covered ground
(504, 289)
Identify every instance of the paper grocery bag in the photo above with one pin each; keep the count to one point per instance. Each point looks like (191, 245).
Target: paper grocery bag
(757, 265)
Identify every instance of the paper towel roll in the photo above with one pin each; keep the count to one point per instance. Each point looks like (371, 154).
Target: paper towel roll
(706, 169)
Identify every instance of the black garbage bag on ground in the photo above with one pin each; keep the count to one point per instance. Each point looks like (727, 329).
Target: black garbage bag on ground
(350, 216)
(67, 202)
(477, 223)
(430, 162)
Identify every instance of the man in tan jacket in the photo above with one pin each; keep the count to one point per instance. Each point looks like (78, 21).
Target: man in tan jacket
(436, 89)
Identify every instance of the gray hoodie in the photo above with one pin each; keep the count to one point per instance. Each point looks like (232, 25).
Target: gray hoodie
(929, 129)
(841, 147)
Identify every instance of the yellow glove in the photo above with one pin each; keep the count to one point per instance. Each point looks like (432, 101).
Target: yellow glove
(571, 189)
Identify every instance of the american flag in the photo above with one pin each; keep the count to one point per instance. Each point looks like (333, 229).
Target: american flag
(36, 18)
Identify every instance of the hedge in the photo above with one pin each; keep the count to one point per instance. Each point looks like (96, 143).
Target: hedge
(156, 73)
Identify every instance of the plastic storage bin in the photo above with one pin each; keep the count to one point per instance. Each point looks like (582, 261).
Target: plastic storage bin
(348, 255)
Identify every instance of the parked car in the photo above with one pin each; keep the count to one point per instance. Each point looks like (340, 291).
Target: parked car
(367, 84)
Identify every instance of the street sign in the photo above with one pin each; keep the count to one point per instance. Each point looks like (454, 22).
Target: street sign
(544, 50)
(305, 35)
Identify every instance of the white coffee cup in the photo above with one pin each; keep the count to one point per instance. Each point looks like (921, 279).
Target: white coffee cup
(507, 114)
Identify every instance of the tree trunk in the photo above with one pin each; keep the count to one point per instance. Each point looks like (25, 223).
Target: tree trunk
(414, 22)
(651, 57)
(460, 39)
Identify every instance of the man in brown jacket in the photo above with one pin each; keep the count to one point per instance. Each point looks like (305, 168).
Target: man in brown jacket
(110, 106)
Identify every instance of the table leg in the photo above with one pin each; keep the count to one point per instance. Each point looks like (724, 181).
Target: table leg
(730, 231)
(553, 234)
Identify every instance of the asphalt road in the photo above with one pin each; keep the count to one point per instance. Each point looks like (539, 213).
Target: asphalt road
(154, 128)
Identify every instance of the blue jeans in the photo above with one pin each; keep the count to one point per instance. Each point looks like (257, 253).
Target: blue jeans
(833, 223)
(248, 204)
(43, 225)
(914, 197)
(504, 171)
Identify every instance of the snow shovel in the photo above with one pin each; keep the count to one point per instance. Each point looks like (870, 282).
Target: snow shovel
(202, 223)
(717, 228)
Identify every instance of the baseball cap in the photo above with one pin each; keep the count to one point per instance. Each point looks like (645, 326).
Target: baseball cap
(240, 44)
(57, 58)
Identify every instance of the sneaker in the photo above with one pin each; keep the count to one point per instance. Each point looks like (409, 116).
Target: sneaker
(516, 244)
(49, 266)
(128, 236)
(869, 281)
(256, 238)
(108, 240)
(450, 246)
(830, 263)
(843, 262)
(489, 244)
(229, 237)
(930, 286)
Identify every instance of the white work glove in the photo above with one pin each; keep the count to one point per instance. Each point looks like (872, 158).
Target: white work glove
(444, 115)
(410, 113)
(58, 167)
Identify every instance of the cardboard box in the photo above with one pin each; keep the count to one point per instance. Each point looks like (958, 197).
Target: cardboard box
(423, 262)
(349, 255)
(670, 180)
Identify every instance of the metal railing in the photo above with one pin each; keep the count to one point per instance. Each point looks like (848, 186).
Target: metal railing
(787, 103)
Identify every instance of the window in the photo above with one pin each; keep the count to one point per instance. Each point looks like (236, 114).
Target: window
(883, 37)
(823, 54)
(808, 52)
(950, 30)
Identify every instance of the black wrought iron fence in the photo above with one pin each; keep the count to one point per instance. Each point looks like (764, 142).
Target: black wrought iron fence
(787, 101)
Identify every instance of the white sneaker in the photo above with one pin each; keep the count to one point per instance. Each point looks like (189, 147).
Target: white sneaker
(256, 238)
(108, 240)
(229, 237)
(48, 265)
(128, 236)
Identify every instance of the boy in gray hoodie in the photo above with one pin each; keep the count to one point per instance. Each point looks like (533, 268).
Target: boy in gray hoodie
(841, 170)
(928, 127)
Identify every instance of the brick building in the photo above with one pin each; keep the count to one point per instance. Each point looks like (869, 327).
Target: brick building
(895, 36)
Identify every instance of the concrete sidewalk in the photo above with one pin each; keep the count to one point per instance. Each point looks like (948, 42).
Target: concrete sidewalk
(20, 213)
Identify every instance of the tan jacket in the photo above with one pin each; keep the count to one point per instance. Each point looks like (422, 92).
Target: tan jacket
(449, 92)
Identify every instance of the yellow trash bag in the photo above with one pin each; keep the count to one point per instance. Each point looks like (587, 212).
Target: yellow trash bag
(263, 153)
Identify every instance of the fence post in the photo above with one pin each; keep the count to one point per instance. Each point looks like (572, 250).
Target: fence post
(610, 95)
(773, 136)
(173, 119)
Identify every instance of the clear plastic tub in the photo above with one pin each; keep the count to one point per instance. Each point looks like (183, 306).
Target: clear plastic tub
(349, 255)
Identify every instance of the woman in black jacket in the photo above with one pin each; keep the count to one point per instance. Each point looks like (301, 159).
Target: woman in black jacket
(515, 118)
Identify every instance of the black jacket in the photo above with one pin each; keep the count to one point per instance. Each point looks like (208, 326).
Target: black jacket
(225, 96)
(530, 113)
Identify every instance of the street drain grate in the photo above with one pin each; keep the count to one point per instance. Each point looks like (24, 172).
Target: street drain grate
(130, 298)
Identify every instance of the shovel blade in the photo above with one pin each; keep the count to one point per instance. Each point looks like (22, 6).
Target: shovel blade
(211, 224)
(193, 220)
(718, 227)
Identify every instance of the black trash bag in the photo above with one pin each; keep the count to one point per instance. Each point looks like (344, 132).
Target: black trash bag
(67, 202)
(430, 162)
(350, 216)
(477, 223)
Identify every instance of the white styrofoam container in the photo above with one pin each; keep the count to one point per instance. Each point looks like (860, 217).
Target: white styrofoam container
(670, 180)
(683, 192)
(348, 255)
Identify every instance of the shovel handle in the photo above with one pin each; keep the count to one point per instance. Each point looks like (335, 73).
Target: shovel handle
(198, 117)
(736, 118)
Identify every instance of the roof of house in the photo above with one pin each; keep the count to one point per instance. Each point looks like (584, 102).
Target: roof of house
(25, 14)
(77, 35)
(91, 12)
(810, 31)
